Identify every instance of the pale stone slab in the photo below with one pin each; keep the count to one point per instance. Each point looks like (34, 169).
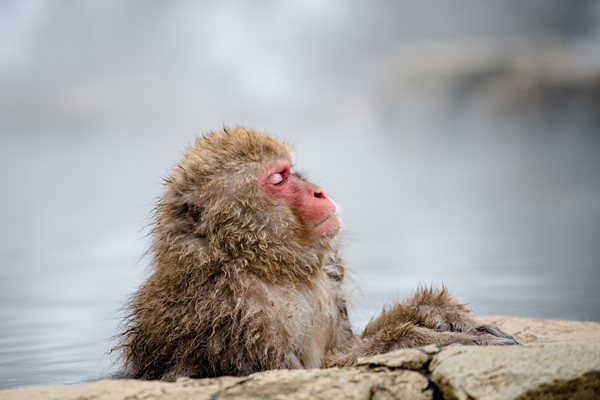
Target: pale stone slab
(126, 389)
(414, 359)
(334, 383)
(564, 364)
(538, 371)
(352, 384)
(531, 330)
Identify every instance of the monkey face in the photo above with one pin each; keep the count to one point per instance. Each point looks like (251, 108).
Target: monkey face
(317, 210)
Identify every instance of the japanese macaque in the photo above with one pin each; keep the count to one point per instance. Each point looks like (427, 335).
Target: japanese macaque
(246, 275)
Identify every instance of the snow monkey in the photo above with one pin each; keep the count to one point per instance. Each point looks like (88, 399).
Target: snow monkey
(246, 275)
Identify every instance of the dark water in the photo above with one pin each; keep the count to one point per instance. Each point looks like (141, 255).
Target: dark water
(452, 166)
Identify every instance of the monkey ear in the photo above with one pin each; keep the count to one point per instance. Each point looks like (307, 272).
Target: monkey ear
(194, 216)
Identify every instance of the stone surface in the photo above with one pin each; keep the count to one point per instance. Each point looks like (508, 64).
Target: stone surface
(126, 389)
(531, 330)
(537, 371)
(562, 363)
(349, 383)
(414, 359)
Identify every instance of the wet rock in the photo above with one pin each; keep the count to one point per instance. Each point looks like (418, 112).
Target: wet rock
(562, 363)
(538, 371)
(333, 384)
(531, 330)
(126, 389)
(348, 383)
(414, 359)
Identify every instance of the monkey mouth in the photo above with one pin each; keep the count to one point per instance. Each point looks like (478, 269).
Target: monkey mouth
(324, 220)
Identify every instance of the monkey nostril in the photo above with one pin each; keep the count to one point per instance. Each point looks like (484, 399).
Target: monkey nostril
(319, 195)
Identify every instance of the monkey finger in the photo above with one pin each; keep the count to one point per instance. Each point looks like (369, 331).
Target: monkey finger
(494, 331)
(490, 340)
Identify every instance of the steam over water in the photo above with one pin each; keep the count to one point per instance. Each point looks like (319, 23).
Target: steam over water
(461, 141)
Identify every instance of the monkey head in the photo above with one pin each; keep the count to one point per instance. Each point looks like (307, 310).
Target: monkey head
(235, 198)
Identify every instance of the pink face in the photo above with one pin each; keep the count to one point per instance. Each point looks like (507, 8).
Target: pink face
(316, 209)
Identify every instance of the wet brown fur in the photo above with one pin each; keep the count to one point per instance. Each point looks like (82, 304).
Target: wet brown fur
(430, 316)
(238, 284)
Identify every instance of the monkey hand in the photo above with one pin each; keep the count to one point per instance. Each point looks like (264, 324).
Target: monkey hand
(490, 335)
(436, 309)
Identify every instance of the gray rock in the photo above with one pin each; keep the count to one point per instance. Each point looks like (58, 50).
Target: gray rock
(538, 371)
(414, 359)
(558, 370)
(348, 383)
(332, 384)
(533, 330)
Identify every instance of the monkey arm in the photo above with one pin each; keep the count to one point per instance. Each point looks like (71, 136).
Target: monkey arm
(398, 336)
(430, 316)
(431, 308)
(436, 309)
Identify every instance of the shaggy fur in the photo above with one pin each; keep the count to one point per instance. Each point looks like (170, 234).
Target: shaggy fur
(430, 316)
(238, 284)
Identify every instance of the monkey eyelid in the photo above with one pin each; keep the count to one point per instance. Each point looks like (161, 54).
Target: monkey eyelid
(276, 179)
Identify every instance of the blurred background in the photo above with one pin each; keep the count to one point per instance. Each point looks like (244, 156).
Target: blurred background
(461, 138)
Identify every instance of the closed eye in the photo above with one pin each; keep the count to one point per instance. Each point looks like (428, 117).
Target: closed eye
(276, 179)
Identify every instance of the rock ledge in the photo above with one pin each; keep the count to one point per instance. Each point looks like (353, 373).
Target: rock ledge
(563, 364)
